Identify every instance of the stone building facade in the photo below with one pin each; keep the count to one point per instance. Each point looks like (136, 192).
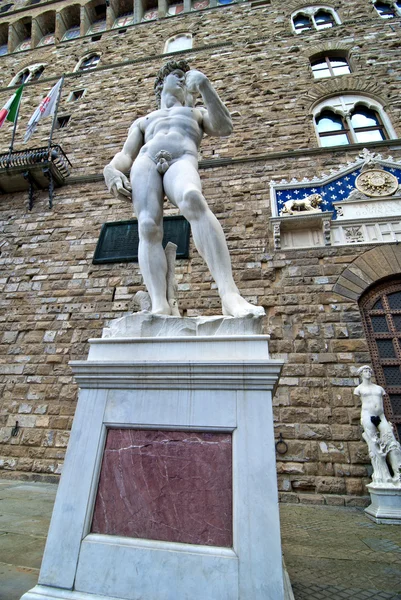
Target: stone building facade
(262, 57)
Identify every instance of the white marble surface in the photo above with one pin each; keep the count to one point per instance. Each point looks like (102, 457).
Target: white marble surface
(385, 504)
(191, 394)
(145, 324)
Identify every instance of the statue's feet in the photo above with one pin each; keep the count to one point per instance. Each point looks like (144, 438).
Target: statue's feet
(234, 305)
(161, 308)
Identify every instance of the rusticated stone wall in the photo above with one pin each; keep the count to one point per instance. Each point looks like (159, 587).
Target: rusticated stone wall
(54, 299)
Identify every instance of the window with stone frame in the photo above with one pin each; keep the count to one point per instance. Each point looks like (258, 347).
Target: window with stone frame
(314, 18)
(388, 10)
(32, 73)
(329, 65)
(344, 120)
(381, 316)
(87, 63)
(181, 41)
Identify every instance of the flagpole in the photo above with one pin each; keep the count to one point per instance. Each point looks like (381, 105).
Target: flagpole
(55, 112)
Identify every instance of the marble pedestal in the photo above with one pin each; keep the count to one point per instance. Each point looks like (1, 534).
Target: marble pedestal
(204, 383)
(385, 507)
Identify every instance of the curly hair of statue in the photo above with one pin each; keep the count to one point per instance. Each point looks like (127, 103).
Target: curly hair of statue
(172, 65)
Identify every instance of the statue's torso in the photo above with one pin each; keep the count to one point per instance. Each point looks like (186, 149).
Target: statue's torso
(176, 130)
(371, 397)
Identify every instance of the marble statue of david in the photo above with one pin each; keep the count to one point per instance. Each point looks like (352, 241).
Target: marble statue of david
(161, 153)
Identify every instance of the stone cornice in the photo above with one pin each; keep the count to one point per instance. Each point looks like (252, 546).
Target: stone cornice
(230, 375)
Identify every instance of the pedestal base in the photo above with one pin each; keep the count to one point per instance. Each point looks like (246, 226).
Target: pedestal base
(169, 487)
(386, 505)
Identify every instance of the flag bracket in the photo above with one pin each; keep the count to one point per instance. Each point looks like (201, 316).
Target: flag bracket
(31, 196)
(49, 175)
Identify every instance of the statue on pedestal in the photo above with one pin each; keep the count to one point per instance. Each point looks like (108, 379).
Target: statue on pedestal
(384, 450)
(161, 153)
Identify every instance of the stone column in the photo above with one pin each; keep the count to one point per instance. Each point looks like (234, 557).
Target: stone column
(138, 11)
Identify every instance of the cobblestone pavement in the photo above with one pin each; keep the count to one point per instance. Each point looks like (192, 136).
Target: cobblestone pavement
(336, 553)
(331, 553)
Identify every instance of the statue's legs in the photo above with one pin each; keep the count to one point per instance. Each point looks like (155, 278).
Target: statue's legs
(394, 449)
(147, 195)
(183, 188)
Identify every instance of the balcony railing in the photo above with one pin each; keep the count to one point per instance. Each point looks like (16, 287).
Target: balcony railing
(34, 169)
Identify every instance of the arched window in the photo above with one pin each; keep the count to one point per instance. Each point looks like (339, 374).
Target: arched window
(31, 73)
(332, 129)
(388, 10)
(367, 125)
(329, 66)
(314, 18)
(324, 19)
(381, 317)
(181, 41)
(302, 22)
(343, 120)
(87, 63)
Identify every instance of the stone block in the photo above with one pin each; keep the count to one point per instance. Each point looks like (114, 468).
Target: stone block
(313, 499)
(330, 485)
(333, 500)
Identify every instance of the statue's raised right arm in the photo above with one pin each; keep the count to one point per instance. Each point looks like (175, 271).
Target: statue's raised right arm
(216, 116)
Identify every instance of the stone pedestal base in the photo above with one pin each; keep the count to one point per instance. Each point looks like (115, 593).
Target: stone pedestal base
(169, 487)
(386, 505)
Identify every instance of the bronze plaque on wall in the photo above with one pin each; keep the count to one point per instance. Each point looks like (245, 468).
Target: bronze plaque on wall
(118, 242)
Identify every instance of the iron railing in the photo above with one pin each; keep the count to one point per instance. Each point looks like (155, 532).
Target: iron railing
(37, 156)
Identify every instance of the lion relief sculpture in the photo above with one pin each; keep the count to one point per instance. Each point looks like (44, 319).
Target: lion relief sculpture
(309, 204)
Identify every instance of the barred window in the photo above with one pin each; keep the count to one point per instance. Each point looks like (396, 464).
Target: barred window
(381, 316)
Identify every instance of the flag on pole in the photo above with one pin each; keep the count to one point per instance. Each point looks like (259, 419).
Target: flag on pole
(10, 109)
(45, 108)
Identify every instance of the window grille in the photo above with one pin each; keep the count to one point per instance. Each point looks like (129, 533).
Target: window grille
(381, 316)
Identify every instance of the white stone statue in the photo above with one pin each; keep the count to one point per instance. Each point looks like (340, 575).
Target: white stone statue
(310, 204)
(384, 450)
(161, 153)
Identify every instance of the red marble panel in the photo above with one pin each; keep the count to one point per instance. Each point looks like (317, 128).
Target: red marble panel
(174, 486)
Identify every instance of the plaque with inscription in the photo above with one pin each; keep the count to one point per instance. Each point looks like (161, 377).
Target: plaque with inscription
(118, 242)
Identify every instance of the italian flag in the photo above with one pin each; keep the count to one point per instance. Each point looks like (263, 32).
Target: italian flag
(10, 109)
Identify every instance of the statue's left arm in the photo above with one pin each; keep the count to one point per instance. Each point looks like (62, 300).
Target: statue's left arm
(216, 117)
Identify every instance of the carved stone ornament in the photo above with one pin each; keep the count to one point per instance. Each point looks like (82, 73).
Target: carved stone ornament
(376, 183)
(353, 234)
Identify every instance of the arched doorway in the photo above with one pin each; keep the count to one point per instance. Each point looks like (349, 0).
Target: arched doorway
(381, 315)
